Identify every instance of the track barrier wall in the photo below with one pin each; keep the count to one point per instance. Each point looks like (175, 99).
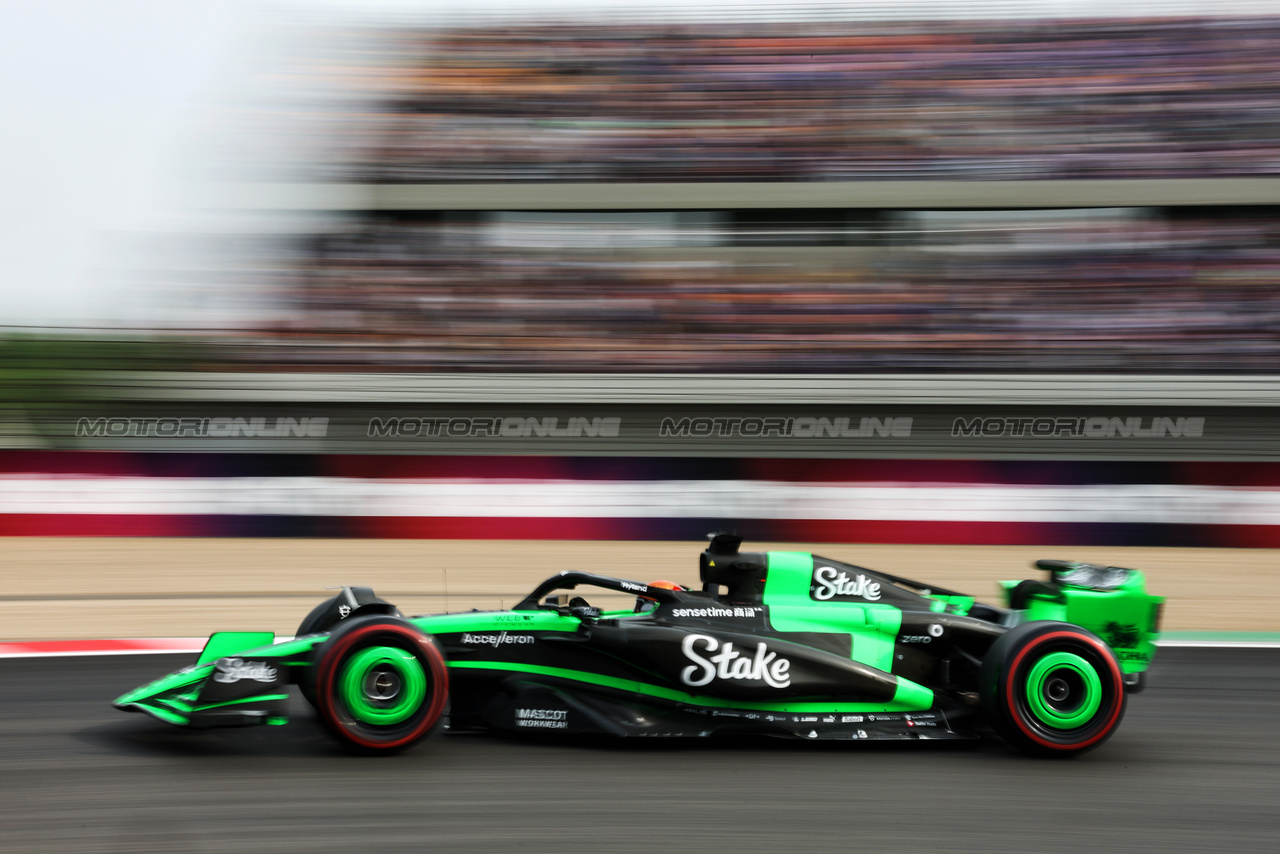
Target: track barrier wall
(991, 502)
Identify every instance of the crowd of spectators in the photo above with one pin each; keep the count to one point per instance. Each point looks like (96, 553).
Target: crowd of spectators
(773, 101)
(1004, 99)
(1078, 292)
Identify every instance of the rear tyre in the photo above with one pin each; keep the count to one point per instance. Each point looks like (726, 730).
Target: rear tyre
(1052, 689)
(380, 684)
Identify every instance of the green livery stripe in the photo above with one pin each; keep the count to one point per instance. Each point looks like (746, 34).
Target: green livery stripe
(792, 609)
(286, 648)
(175, 704)
(911, 696)
(223, 644)
(164, 684)
(162, 714)
(497, 621)
(957, 604)
(789, 578)
(257, 698)
(908, 698)
(195, 676)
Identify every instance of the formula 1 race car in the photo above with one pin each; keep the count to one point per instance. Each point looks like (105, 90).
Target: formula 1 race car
(776, 643)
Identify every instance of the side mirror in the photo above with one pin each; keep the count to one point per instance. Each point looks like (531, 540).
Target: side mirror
(586, 613)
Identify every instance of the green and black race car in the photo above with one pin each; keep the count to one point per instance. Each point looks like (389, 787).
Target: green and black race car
(776, 643)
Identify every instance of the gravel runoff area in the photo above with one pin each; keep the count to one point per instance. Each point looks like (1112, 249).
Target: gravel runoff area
(87, 587)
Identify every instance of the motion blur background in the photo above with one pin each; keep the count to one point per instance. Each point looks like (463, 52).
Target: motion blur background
(815, 188)
(443, 298)
(925, 273)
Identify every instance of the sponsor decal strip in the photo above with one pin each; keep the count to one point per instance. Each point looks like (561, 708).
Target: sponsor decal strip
(496, 639)
(214, 428)
(739, 611)
(543, 718)
(1095, 427)
(490, 427)
(759, 665)
(679, 696)
(235, 669)
(842, 427)
(257, 698)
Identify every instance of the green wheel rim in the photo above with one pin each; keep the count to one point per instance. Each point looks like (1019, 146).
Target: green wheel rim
(1063, 691)
(382, 685)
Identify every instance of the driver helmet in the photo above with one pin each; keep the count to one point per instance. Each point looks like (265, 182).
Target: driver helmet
(644, 603)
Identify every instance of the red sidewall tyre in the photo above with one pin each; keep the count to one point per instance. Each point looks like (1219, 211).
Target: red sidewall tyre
(1006, 691)
(362, 634)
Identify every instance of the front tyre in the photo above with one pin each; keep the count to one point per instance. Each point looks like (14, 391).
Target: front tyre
(380, 684)
(1052, 689)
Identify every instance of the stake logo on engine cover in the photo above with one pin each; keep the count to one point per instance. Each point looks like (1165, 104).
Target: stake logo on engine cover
(831, 584)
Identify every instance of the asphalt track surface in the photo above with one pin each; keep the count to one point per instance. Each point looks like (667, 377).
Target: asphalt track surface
(1193, 768)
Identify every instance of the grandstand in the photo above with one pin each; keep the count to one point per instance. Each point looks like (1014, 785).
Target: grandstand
(947, 196)
(731, 253)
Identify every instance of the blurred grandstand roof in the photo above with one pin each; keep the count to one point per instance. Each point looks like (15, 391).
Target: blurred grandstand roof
(476, 11)
(702, 389)
(728, 195)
